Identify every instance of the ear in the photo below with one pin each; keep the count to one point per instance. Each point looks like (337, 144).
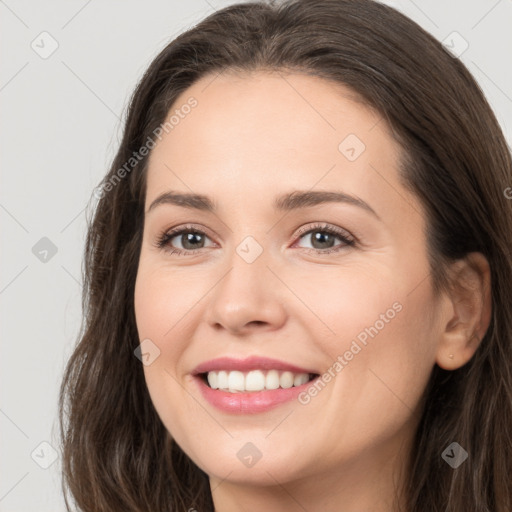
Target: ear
(469, 308)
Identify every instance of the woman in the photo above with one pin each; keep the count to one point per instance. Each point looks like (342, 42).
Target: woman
(369, 371)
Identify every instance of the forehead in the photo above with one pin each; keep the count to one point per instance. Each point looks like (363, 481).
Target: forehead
(269, 132)
(269, 109)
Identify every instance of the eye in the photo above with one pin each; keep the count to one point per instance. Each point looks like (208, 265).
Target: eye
(190, 238)
(322, 237)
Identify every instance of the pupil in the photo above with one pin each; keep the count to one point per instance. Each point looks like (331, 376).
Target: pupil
(190, 237)
(320, 236)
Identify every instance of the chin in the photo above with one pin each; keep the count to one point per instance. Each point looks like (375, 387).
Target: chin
(242, 462)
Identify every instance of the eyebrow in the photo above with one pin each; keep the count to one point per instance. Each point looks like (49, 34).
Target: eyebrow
(287, 202)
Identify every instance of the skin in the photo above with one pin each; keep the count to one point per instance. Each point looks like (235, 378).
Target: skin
(249, 139)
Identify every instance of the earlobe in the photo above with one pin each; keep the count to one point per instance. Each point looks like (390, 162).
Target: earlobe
(469, 308)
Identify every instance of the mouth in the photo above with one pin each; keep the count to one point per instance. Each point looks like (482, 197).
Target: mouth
(256, 384)
(235, 381)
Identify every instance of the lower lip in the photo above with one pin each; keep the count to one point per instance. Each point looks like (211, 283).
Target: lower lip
(252, 402)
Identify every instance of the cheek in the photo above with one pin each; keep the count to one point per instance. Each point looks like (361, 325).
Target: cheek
(388, 354)
(152, 302)
(161, 316)
(163, 302)
(380, 328)
(158, 310)
(346, 304)
(166, 308)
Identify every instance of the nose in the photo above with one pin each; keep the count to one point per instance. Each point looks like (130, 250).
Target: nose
(248, 298)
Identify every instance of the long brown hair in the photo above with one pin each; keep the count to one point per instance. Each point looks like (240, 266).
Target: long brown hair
(117, 454)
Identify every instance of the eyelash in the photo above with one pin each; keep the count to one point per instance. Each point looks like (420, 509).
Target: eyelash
(164, 239)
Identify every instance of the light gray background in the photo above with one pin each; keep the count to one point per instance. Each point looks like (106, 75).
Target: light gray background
(61, 124)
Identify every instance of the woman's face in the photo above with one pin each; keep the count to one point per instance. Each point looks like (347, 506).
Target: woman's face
(339, 288)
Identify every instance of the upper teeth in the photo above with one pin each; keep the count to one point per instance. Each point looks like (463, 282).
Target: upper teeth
(255, 380)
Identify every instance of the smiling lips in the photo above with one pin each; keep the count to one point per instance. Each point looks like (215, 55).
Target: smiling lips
(251, 385)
